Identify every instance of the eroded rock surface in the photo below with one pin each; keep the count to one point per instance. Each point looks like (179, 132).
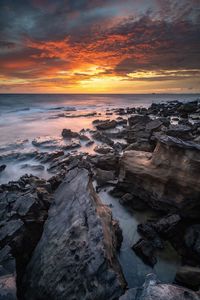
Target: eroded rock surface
(167, 179)
(153, 290)
(76, 256)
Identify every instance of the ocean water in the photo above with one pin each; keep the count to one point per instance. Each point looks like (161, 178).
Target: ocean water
(26, 116)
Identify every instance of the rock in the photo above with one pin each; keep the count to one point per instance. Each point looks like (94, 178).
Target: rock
(180, 131)
(24, 207)
(104, 176)
(2, 168)
(106, 125)
(45, 157)
(68, 134)
(140, 146)
(161, 181)
(83, 137)
(154, 290)
(102, 138)
(33, 167)
(154, 125)
(145, 250)
(76, 259)
(103, 149)
(106, 162)
(89, 143)
(138, 120)
(133, 202)
(192, 240)
(188, 276)
(189, 107)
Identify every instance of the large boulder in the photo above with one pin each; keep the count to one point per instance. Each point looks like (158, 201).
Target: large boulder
(76, 256)
(153, 290)
(168, 179)
(188, 276)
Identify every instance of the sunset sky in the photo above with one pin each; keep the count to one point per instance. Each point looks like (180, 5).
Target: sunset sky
(96, 46)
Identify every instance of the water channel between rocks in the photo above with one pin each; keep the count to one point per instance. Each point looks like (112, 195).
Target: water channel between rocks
(133, 267)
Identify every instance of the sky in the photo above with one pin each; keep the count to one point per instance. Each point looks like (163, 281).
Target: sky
(96, 46)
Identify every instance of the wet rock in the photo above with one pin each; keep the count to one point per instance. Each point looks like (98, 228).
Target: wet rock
(33, 167)
(154, 290)
(103, 149)
(103, 176)
(71, 267)
(106, 162)
(2, 168)
(84, 137)
(188, 276)
(154, 125)
(102, 138)
(134, 202)
(45, 157)
(145, 250)
(106, 125)
(89, 143)
(141, 146)
(139, 121)
(192, 239)
(180, 131)
(69, 134)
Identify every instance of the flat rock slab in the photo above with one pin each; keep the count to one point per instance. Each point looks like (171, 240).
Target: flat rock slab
(76, 256)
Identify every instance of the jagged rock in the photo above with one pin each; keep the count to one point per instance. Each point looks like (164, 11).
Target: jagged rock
(45, 157)
(67, 133)
(103, 149)
(154, 290)
(83, 137)
(132, 201)
(24, 208)
(160, 178)
(106, 125)
(139, 121)
(146, 250)
(104, 176)
(180, 131)
(2, 168)
(102, 138)
(107, 162)
(192, 239)
(188, 276)
(140, 146)
(154, 125)
(76, 256)
(33, 167)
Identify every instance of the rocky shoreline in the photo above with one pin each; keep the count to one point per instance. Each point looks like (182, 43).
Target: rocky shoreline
(57, 239)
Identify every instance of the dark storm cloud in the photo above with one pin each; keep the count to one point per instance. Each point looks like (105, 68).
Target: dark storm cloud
(41, 37)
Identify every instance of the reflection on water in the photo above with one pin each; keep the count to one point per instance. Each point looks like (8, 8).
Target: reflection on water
(133, 267)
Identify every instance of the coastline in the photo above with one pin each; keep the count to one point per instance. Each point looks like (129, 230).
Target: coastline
(150, 159)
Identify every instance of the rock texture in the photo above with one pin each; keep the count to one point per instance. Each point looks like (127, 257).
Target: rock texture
(152, 290)
(24, 208)
(167, 179)
(76, 256)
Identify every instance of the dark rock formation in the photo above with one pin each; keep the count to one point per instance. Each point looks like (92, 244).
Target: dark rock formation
(167, 179)
(68, 134)
(102, 138)
(76, 256)
(106, 125)
(2, 168)
(153, 290)
(24, 208)
(188, 276)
